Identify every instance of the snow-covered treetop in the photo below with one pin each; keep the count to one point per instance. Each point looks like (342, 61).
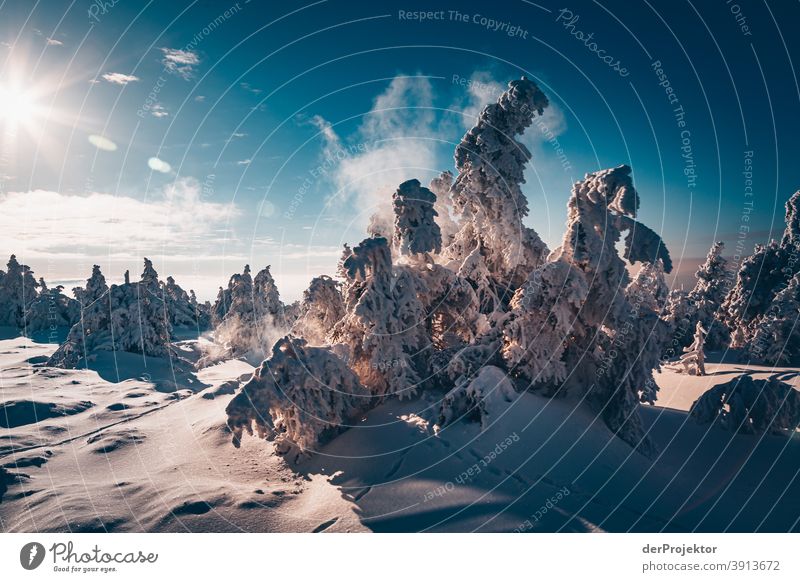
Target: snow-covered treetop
(371, 257)
(415, 227)
(487, 192)
(791, 235)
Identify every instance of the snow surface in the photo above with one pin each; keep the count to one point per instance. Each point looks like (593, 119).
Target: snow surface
(152, 453)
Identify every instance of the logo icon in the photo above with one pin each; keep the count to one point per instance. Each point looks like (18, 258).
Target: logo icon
(31, 555)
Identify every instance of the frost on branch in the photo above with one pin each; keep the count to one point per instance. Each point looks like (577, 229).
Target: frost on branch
(321, 308)
(415, 228)
(777, 337)
(482, 398)
(131, 317)
(750, 406)
(298, 396)
(51, 309)
(383, 326)
(761, 277)
(17, 292)
(487, 196)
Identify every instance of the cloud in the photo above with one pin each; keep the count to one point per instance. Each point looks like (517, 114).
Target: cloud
(200, 98)
(120, 78)
(397, 141)
(54, 224)
(180, 62)
(102, 143)
(54, 42)
(159, 165)
(158, 110)
(244, 162)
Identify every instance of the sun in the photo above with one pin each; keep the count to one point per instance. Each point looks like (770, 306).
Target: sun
(17, 106)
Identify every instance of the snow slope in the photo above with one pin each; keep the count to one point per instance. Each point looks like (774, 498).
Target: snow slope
(152, 453)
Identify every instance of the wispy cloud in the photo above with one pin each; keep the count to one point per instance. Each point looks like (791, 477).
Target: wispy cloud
(244, 162)
(54, 42)
(180, 62)
(159, 165)
(397, 141)
(102, 143)
(55, 224)
(158, 110)
(120, 78)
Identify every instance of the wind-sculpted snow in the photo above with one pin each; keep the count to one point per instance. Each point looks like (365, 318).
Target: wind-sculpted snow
(299, 395)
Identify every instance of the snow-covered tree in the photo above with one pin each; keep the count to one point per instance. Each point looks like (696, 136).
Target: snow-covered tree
(51, 309)
(693, 361)
(702, 304)
(611, 346)
(649, 289)
(488, 199)
(17, 292)
(761, 277)
(383, 326)
(298, 396)
(415, 228)
(321, 308)
(251, 317)
(482, 398)
(777, 336)
(443, 206)
(131, 317)
(543, 312)
(182, 307)
(750, 406)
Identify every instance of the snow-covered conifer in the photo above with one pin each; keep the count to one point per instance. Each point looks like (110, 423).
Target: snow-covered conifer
(321, 308)
(487, 193)
(777, 336)
(383, 323)
(17, 292)
(482, 398)
(761, 277)
(298, 396)
(415, 228)
(693, 361)
(51, 309)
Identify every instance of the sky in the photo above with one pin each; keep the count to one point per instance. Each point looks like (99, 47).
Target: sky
(207, 135)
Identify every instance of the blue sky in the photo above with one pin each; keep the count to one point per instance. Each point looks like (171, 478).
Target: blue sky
(210, 134)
